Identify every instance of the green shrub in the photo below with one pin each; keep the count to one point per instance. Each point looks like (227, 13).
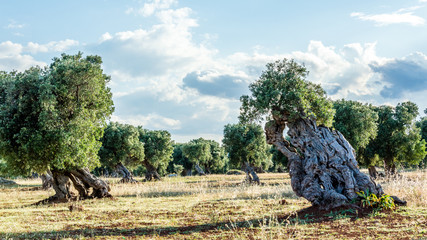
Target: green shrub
(385, 202)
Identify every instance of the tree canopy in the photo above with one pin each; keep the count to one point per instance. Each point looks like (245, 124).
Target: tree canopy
(120, 144)
(206, 153)
(158, 148)
(398, 139)
(283, 94)
(54, 117)
(357, 122)
(246, 143)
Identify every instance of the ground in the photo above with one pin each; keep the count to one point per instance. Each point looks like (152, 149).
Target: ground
(208, 207)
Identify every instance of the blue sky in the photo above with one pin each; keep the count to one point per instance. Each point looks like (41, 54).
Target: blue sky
(181, 65)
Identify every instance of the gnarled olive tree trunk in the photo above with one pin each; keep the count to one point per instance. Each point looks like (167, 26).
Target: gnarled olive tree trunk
(322, 163)
(6, 182)
(151, 173)
(47, 180)
(87, 185)
(199, 170)
(127, 176)
(251, 176)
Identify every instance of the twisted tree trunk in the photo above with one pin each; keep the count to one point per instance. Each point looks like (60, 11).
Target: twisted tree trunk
(199, 170)
(87, 185)
(373, 172)
(151, 173)
(389, 167)
(251, 176)
(127, 176)
(6, 182)
(322, 163)
(47, 180)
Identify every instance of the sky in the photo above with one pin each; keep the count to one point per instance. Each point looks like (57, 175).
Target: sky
(181, 65)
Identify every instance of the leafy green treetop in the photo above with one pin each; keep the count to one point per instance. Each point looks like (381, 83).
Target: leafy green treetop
(158, 148)
(398, 139)
(53, 118)
(245, 143)
(283, 94)
(357, 122)
(121, 149)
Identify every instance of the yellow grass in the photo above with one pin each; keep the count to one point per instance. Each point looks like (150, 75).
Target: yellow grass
(211, 207)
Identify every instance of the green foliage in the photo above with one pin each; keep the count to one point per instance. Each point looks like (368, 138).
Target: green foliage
(279, 160)
(120, 144)
(158, 148)
(54, 117)
(178, 158)
(178, 169)
(398, 139)
(422, 125)
(246, 143)
(282, 93)
(207, 153)
(358, 123)
(385, 202)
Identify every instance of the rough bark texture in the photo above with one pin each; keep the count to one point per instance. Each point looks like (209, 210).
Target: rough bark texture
(151, 173)
(389, 167)
(87, 185)
(127, 176)
(373, 172)
(6, 182)
(323, 170)
(47, 180)
(199, 170)
(251, 176)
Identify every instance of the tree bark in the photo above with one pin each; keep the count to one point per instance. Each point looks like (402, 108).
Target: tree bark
(47, 180)
(373, 172)
(87, 185)
(322, 163)
(389, 167)
(199, 170)
(6, 182)
(251, 175)
(151, 173)
(127, 176)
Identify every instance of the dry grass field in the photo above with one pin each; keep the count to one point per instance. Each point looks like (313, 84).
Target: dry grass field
(210, 207)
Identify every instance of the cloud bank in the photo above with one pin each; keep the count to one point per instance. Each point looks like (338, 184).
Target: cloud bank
(164, 79)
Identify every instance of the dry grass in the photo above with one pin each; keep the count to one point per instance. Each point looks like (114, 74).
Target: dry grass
(211, 207)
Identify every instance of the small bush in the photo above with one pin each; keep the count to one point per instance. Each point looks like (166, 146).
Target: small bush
(385, 202)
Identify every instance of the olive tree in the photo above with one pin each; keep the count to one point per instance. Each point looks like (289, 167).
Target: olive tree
(422, 125)
(398, 139)
(53, 118)
(206, 155)
(120, 148)
(322, 164)
(247, 148)
(158, 148)
(358, 124)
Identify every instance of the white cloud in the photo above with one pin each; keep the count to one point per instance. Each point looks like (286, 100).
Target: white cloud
(151, 121)
(105, 37)
(14, 25)
(151, 7)
(12, 57)
(404, 15)
(54, 46)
